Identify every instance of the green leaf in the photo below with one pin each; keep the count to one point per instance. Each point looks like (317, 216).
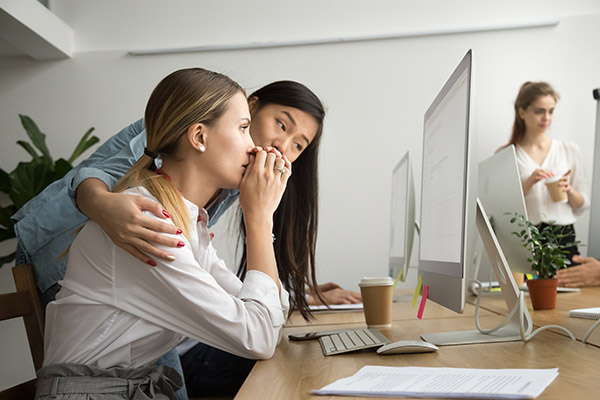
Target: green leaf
(7, 259)
(61, 167)
(27, 180)
(28, 148)
(37, 137)
(84, 144)
(5, 213)
(4, 183)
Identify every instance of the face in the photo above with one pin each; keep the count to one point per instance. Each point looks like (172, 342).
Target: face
(288, 129)
(228, 144)
(538, 116)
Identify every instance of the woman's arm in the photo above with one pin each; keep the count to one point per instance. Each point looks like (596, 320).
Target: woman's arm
(534, 178)
(122, 217)
(261, 190)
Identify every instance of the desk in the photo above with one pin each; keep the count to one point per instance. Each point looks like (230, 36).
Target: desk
(299, 367)
(588, 297)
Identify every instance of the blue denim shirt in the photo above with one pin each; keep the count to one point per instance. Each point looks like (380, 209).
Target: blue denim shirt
(47, 225)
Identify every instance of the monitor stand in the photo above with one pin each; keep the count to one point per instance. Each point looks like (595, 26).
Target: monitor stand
(510, 292)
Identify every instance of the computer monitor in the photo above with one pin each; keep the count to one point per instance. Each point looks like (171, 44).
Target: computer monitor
(501, 194)
(402, 218)
(451, 214)
(448, 190)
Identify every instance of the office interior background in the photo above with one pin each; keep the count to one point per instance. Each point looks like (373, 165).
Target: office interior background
(376, 65)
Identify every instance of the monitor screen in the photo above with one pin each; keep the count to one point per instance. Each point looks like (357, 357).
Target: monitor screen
(501, 194)
(448, 190)
(402, 218)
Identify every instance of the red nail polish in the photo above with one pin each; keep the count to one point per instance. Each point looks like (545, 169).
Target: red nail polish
(152, 262)
(199, 218)
(180, 244)
(166, 214)
(212, 235)
(179, 231)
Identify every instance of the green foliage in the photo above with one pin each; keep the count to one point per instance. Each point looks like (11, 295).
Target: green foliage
(547, 253)
(30, 178)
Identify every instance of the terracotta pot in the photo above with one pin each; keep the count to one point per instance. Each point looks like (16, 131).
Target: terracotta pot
(542, 293)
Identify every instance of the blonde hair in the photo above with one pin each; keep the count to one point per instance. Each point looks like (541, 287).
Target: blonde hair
(183, 98)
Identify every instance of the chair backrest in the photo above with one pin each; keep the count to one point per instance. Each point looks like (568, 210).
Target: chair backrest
(25, 302)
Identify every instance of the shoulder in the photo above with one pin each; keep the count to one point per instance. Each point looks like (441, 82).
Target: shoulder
(570, 148)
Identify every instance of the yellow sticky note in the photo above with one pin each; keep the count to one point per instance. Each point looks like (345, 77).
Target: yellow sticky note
(418, 290)
(398, 278)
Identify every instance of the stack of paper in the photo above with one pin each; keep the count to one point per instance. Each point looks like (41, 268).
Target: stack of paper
(443, 383)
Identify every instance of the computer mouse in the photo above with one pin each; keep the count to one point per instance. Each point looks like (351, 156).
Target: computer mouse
(407, 346)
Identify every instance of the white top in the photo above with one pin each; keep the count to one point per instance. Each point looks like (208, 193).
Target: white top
(115, 311)
(561, 157)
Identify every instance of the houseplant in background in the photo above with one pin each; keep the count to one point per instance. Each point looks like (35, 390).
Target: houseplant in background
(30, 178)
(547, 257)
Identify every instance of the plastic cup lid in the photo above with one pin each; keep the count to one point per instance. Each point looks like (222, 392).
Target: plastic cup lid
(376, 281)
(553, 179)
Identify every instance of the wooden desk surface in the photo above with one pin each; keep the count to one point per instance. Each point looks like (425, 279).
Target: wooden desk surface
(402, 311)
(299, 367)
(588, 297)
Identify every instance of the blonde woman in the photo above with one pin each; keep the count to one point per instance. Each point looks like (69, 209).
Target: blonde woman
(113, 318)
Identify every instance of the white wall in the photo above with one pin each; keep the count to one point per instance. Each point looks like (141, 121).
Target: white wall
(375, 92)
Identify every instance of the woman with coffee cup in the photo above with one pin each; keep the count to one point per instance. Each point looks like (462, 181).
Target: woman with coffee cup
(551, 170)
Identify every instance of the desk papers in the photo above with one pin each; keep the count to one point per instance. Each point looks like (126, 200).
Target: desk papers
(336, 307)
(443, 383)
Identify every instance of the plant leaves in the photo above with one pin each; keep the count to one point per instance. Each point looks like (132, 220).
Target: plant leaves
(37, 137)
(5, 213)
(84, 144)
(4, 183)
(27, 180)
(28, 148)
(61, 167)
(7, 259)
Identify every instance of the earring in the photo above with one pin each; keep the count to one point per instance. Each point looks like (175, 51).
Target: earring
(202, 148)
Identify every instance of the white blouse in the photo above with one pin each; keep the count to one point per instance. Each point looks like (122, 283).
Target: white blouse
(115, 311)
(561, 157)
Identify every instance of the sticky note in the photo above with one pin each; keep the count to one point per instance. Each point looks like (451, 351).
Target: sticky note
(417, 290)
(423, 301)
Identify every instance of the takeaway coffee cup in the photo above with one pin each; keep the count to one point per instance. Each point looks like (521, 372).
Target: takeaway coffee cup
(556, 193)
(377, 296)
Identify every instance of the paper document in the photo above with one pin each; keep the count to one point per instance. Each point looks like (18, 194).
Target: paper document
(338, 307)
(443, 383)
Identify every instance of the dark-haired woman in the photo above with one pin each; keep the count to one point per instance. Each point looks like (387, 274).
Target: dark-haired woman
(114, 317)
(541, 157)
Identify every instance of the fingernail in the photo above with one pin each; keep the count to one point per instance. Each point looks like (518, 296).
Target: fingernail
(152, 262)
(180, 244)
(212, 235)
(179, 231)
(166, 214)
(170, 257)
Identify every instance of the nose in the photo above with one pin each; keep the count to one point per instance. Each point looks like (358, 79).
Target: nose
(281, 145)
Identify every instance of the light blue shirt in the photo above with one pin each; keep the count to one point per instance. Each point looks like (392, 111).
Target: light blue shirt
(47, 225)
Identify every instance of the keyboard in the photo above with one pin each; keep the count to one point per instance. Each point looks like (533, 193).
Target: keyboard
(351, 340)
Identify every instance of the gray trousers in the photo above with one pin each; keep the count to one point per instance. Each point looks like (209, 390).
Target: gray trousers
(75, 381)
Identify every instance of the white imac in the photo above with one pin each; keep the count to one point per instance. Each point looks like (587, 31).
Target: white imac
(402, 219)
(451, 212)
(501, 194)
(448, 190)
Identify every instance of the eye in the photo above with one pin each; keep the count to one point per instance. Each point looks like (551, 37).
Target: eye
(281, 124)
(298, 146)
(244, 128)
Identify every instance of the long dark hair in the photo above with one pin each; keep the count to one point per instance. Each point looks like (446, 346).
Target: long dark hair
(295, 221)
(528, 93)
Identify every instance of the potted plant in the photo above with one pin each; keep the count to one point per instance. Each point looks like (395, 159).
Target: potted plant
(30, 178)
(547, 257)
